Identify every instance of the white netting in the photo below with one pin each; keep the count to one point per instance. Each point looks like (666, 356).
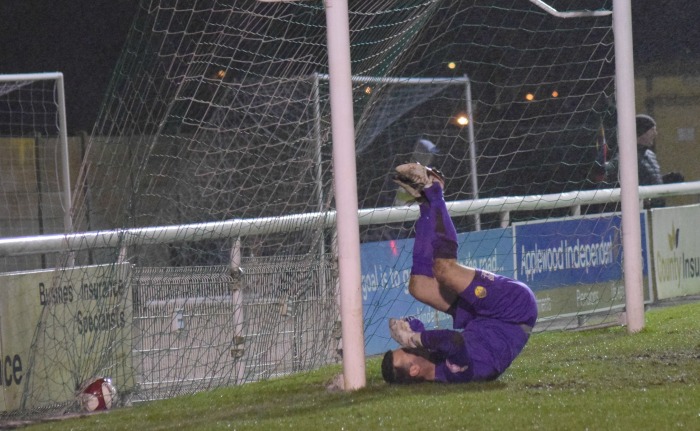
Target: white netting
(219, 111)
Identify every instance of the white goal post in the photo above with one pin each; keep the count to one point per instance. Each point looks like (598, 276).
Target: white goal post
(343, 133)
(629, 181)
(12, 82)
(429, 82)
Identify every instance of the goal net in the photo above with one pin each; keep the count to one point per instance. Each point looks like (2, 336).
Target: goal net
(209, 178)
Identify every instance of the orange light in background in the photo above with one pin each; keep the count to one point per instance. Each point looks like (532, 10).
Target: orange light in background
(555, 93)
(368, 90)
(529, 97)
(221, 74)
(451, 65)
(462, 120)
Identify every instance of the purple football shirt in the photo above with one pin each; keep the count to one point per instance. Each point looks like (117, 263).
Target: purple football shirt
(491, 313)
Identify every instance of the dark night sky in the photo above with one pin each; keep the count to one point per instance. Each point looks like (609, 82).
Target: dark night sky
(83, 39)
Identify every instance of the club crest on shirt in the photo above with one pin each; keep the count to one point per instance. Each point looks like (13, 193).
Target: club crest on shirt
(480, 292)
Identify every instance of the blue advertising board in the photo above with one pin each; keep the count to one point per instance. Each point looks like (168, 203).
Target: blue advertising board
(568, 252)
(386, 268)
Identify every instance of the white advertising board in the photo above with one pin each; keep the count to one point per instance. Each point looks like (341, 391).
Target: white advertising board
(676, 251)
(59, 328)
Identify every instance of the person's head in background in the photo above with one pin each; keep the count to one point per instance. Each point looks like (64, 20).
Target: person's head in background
(646, 131)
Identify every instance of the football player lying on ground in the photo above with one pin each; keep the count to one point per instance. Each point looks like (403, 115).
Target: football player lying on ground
(493, 315)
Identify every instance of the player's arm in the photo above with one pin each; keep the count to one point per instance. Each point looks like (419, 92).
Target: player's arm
(448, 343)
(445, 342)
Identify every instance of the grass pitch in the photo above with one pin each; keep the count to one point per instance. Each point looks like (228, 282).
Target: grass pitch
(603, 379)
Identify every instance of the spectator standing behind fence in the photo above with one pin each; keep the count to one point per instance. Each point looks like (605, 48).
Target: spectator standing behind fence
(648, 167)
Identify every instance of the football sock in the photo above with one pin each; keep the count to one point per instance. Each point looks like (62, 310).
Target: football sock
(422, 245)
(445, 237)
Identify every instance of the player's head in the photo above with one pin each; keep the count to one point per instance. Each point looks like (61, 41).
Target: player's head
(405, 365)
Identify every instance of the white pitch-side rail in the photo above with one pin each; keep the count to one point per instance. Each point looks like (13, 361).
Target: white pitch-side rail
(16, 246)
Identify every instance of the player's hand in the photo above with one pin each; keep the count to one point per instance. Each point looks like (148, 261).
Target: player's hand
(402, 333)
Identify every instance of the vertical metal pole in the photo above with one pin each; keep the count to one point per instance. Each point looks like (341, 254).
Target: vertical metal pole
(238, 349)
(629, 181)
(319, 183)
(342, 128)
(65, 164)
(318, 157)
(472, 150)
(317, 137)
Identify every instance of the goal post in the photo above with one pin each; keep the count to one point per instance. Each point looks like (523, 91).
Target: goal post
(19, 80)
(345, 185)
(34, 107)
(629, 181)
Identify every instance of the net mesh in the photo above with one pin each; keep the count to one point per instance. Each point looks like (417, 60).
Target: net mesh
(219, 110)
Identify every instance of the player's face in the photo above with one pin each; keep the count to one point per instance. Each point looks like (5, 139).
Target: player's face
(412, 365)
(403, 361)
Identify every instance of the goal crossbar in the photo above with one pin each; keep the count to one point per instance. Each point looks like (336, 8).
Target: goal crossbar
(44, 76)
(402, 80)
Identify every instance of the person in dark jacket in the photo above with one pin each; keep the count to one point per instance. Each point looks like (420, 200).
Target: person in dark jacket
(648, 168)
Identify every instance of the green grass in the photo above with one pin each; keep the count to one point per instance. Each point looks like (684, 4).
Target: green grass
(604, 379)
